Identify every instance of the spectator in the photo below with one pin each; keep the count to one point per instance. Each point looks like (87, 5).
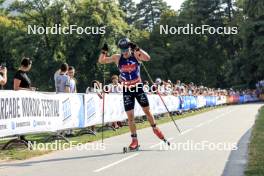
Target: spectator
(62, 80)
(168, 87)
(146, 83)
(21, 79)
(63, 83)
(71, 74)
(178, 83)
(115, 87)
(3, 75)
(158, 81)
(94, 88)
(146, 87)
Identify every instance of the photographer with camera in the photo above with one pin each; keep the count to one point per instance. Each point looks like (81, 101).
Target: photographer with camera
(3, 74)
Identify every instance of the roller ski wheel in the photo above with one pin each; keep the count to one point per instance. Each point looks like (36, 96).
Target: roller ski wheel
(129, 149)
(166, 142)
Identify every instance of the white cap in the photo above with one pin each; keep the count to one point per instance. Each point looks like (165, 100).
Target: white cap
(158, 81)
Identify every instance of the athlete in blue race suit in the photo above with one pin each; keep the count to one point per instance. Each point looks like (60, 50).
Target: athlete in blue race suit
(128, 63)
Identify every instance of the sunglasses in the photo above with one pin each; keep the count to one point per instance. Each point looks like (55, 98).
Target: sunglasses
(124, 50)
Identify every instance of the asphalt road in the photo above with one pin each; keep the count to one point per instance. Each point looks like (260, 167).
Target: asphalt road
(211, 144)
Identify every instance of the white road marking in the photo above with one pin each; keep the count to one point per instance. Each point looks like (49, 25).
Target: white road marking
(115, 163)
(217, 117)
(199, 125)
(186, 131)
(169, 139)
(207, 122)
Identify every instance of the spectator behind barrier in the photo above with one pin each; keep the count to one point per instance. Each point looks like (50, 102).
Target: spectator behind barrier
(115, 86)
(71, 74)
(94, 88)
(62, 80)
(3, 74)
(21, 79)
(181, 89)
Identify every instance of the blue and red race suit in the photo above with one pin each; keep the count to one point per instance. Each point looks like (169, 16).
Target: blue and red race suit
(130, 74)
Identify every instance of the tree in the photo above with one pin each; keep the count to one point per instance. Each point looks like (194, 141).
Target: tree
(252, 56)
(49, 51)
(213, 60)
(130, 10)
(10, 42)
(149, 12)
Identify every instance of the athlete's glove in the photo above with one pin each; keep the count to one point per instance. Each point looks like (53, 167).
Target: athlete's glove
(133, 46)
(105, 48)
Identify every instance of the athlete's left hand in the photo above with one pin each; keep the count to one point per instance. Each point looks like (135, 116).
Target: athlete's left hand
(133, 46)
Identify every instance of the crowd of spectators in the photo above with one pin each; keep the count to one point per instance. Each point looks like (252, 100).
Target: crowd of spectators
(167, 87)
(182, 89)
(66, 82)
(260, 87)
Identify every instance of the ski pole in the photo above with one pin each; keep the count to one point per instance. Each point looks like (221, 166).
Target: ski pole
(103, 115)
(152, 82)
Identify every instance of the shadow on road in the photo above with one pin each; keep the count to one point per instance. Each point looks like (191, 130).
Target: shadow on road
(30, 163)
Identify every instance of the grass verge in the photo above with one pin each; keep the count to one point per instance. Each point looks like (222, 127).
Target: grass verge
(20, 153)
(256, 148)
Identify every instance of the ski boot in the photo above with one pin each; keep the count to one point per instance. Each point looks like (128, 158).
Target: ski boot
(159, 134)
(133, 146)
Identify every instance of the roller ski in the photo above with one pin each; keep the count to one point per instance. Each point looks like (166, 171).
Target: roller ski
(159, 134)
(132, 147)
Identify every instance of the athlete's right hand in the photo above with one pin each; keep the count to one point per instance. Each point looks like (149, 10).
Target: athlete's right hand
(105, 47)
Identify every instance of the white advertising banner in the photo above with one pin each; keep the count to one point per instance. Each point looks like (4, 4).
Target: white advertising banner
(93, 108)
(114, 107)
(72, 108)
(26, 112)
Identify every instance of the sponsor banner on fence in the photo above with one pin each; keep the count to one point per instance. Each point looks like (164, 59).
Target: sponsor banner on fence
(114, 108)
(72, 108)
(24, 112)
(92, 110)
(32, 112)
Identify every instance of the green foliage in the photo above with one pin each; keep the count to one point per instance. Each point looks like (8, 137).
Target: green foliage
(49, 51)
(256, 148)
(149, 12)
(249, 64)
(130, 10)
(212, 60)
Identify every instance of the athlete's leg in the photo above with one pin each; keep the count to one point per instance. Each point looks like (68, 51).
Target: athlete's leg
(152, 122)
(149, 115)
(129, 104)
(131, 121)
(144, 103)
(132, 126)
